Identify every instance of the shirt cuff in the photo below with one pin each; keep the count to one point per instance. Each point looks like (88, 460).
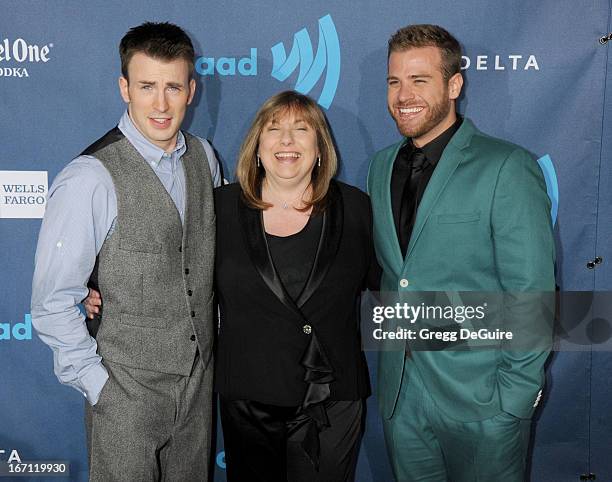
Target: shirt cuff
(93, 382)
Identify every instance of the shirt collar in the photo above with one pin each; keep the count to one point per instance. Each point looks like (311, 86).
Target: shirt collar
(151, 153)
(433, 149)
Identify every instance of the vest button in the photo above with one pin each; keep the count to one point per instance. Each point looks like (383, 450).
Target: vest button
(404, 283)
(186, 270)
(193, 314)
(189, 292)
(307, 329)
(192, 338)
(180, 249)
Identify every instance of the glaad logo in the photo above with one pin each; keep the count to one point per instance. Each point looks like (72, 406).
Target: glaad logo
(20, 51)
(221, 460)
(552, 186)
(311, 68)
(23, 194)
(227, 65)
(19, 331)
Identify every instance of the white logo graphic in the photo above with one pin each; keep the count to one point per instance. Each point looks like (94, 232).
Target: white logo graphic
(20, 52)
(23, 194)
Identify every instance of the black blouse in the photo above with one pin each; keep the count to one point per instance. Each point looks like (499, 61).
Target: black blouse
(293, 255)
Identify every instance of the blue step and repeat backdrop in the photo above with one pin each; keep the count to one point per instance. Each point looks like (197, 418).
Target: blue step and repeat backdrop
(537, 73)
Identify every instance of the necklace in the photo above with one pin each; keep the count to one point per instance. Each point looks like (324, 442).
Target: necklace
(283, 203)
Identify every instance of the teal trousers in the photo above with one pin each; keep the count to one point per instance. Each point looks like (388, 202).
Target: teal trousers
(425, 444)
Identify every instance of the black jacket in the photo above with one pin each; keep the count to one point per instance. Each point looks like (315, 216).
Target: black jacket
(264, 334)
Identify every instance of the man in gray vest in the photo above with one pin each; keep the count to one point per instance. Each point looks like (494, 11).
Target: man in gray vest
(133, 215)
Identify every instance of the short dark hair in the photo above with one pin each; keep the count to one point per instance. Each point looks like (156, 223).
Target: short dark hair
(426, 35)
(164, 41)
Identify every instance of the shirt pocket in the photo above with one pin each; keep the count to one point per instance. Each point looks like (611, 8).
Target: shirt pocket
(458, 218)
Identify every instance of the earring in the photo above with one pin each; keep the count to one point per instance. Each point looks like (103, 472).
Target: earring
(319, 160)
(258, 162)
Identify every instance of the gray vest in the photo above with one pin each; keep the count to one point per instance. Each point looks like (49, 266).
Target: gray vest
(156, 276)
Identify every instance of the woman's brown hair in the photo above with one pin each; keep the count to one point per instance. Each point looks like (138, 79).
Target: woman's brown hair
(250, 175)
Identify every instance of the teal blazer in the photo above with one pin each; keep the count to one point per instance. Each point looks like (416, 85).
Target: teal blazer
(483, 225)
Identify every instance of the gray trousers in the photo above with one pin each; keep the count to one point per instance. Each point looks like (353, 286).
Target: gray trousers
(151, 426)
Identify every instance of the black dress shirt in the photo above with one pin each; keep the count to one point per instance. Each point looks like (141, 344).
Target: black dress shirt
(408, 184)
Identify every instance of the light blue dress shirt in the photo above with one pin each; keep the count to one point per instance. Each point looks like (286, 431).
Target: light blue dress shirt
(81, 213)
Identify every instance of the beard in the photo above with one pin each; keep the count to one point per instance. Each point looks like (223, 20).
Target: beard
(436, 113)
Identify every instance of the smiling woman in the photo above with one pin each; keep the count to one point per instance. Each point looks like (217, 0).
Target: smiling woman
(289, 135)
(294, 252)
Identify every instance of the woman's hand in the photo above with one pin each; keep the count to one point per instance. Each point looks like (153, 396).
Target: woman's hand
(92, 303)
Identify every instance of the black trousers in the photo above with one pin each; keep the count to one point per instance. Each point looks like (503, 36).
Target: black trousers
(260, 443)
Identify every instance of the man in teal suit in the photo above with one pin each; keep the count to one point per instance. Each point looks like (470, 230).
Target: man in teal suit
(457, 210)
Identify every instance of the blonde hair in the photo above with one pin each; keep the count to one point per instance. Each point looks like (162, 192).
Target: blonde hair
(250, 175)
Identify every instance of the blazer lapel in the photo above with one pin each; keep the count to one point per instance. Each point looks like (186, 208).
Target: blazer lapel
(331, 234)
(255, 240)
(451, 158)
(257, 246)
